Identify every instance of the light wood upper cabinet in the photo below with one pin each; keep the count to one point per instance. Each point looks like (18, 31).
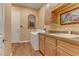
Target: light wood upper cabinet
(42, 43)
(49, 18)
(50, 46)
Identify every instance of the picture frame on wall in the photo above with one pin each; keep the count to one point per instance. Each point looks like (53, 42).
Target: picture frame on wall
(31, 21)
(70, 17)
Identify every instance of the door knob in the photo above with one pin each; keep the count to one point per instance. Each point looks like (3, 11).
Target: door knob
(4, 40)
(21, 26)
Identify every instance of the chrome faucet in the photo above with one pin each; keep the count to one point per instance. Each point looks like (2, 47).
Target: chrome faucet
(67, 29)
(69, 32)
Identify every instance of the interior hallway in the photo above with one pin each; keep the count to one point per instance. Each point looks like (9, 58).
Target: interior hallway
(24, 49)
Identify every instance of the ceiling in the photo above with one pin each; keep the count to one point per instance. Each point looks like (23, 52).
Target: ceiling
(31, 5)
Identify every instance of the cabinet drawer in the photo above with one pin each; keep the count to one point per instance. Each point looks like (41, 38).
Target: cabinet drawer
(51, 40)
(68, 47)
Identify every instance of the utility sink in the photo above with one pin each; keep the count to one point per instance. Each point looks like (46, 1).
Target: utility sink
(65, 35)
(75, 38)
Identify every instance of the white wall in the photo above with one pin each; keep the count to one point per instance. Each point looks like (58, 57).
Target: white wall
(1, 20)
(1, 29)
(41, 16)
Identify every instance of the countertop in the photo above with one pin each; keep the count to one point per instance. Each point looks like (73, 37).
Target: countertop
(71, 38)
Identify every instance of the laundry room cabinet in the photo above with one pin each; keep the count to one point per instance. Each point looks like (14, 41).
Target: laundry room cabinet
(50, 46)
(42, 43)
(47, 45)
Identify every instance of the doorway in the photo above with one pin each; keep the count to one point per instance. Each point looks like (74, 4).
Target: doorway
(15, 26)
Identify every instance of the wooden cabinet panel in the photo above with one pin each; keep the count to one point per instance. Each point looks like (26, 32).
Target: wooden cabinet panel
(60, 52)
(42, 43)
(50, 50)
(68, 47)
(50, 46)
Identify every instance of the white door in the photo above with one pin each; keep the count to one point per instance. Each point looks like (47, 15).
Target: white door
(15, 26)
(1, 30)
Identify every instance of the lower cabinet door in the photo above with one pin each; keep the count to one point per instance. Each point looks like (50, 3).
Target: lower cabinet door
(50, 50)
(70, 48)
(60, 52)
(41, 44)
